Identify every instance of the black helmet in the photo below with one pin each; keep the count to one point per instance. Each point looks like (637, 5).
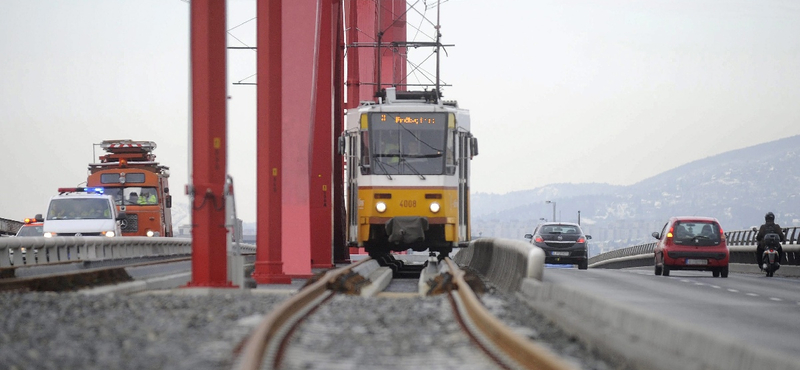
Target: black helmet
(769, 217)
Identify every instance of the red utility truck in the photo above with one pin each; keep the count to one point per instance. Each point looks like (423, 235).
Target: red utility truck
(128, 172)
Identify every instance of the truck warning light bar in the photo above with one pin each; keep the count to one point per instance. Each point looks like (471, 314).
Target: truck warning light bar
(81, 190)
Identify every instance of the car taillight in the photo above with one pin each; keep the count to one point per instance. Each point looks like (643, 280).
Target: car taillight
(581, 240)
(669, 233)
(539, 239)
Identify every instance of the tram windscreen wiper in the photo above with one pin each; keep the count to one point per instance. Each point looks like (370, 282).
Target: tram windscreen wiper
(414, 170)
(381, 164)
(435, 155)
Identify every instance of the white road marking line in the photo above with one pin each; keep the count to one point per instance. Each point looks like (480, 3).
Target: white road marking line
(716, 286)
(775, 299)
(733, 290)
(752, 294)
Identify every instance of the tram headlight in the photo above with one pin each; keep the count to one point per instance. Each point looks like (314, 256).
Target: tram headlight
(380, 207)
(435, 207)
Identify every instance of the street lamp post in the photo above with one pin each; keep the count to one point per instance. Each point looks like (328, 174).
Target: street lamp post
(554, 209)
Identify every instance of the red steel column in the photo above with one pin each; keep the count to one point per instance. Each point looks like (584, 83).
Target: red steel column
(400, 62)
(299, 36)
(353, 73)
(353, 81)
(269, 266)
(209, 255)
(321, 150)
(340, 252)
(393, 26)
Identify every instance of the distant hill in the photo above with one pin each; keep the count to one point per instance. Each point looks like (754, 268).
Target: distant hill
(736, 187)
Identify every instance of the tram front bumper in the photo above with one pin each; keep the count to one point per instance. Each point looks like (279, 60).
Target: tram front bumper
(406, 229)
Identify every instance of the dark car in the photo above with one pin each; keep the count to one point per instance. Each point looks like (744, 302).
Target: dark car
(563, 243)
(691, 243)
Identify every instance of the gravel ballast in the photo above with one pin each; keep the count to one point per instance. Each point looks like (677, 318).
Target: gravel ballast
(202, 329)
(142, 331)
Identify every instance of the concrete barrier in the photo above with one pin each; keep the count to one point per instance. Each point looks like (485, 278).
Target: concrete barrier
(504, 262)
(645, 340)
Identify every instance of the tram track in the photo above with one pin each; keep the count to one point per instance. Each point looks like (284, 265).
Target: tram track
(469, 335)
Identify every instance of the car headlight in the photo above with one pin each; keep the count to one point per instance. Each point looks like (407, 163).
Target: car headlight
(49, 235)
(435, 207)
(380, 207)
(110, 234)
(150, 233)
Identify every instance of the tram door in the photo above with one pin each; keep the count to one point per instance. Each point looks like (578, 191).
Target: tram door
(352, 187)
(463, 185)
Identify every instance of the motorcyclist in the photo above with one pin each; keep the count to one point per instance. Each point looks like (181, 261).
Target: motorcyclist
(768, 227)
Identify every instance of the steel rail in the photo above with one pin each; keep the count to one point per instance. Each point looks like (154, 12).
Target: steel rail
(270, 328)
(525, 353)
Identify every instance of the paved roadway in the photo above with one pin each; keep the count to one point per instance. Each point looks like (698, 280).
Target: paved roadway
(745, 307)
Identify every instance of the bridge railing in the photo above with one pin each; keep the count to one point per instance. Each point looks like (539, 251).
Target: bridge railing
(9, 227)
(40, 250)
(741, 243)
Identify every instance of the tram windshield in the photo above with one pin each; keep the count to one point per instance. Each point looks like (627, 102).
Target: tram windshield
(407, 143)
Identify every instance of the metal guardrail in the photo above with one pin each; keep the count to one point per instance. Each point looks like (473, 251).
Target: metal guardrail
(40, 250)
(9, 227)
(741, 243)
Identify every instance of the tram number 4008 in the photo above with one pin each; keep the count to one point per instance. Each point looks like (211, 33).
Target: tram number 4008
(408, 203)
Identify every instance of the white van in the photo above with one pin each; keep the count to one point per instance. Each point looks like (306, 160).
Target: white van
(82, 212)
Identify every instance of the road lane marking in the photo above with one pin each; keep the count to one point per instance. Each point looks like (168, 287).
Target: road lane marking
(752, 294)
(716, 286)
(775, 299)
(733, 290)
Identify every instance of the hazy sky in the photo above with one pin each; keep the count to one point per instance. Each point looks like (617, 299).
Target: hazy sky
(559, 91)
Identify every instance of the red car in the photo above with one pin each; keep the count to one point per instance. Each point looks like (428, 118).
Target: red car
(691, 243)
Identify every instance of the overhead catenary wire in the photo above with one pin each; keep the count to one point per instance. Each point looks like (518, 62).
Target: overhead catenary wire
(418, 72)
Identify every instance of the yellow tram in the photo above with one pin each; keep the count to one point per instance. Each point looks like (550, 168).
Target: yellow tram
(408, 167)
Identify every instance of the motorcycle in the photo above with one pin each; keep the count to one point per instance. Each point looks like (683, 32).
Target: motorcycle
(770, 258)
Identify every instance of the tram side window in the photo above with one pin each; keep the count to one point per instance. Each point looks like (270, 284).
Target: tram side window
(450, 157)
(365, 165)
